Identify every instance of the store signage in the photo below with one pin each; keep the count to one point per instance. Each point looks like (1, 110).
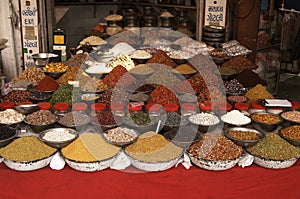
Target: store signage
(30, 30)
(215, 12)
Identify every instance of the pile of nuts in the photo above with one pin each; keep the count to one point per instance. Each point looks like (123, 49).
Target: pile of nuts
(120, 134)
(41, 117)
(10, 116)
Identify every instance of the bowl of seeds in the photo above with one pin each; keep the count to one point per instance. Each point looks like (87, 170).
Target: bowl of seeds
(243, 136)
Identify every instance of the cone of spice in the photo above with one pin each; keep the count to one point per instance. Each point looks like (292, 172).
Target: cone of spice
(47, 84)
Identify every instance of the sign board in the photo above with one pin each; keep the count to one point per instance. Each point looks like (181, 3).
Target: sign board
(215, 12)
(30, 30)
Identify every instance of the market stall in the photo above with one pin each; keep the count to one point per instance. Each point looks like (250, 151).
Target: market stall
(158, 106)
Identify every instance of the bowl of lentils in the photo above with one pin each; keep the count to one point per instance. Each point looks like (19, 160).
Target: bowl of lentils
(291, 134)
(40, 120)
(265, 121)
(243, 136)
(274, 152)
(290, 118)
(205, 121)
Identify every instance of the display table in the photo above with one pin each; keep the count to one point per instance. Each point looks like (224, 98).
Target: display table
(250, 182)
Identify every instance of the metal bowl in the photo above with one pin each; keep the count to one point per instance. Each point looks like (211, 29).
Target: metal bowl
(121, 144)
(205, 128)
(290, 140)
(272, 164)
(9, 139)
(26, 109)
(39, 128)
(54, 75)
(214, 165)
(89, 98)
(240, 142)
(42, 59)
(286, 121)
(262, 126)
(28, 166)
(58, 144)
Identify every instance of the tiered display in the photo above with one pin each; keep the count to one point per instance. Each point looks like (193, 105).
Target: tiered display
(146, 105)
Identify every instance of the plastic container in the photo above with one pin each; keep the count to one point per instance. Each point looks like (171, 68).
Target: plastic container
(117, 109)
(44, 105)
(171, 107)
(61, 108)
(188, 109)
(257, 108)
(80, 106)
(154, 109)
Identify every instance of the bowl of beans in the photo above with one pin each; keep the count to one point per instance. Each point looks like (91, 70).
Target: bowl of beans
(121, 136)
(291, 134)
(40, 120)
(243, 136)
(205, 121)
(265, 121)
(290, 118)
(58, 137)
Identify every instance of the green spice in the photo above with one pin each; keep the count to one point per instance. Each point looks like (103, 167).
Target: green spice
(139, 118)
(65, 93)
(275, 148)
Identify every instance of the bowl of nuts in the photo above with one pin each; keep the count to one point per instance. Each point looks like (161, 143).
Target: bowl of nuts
(40, 120)
(121, 136)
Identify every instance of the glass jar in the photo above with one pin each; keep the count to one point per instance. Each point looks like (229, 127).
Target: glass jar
(188, 109)
(117, 109)
(60, 109)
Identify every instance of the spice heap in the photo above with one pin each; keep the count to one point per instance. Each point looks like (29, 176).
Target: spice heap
(175, 119)
(10, 116)
(248, 78)
(216, 147)
(185, 86)
(291, 132)
(47, 84)
(138, 118)
(26, 149)
(293, 116)
(107, 118)
(41, 117)
(118, 76)
(152, 147)
(55, 67)
(17, 96)
(121, 60)
(31, 74)
(162, 95)
(235, 117)
(94, 85)
(258, 92)
(59, 135)
(266, 118)
(274, 147)
(160, 57)
(64, 93)
(239, 63)
(234, 87)
(89, 147)
(120, 135)
(185, 69)
(243, 135)
(162, 75)
(73, 74)
(93, 41)
(140, 54)
(141, 69)
(74, 118)
(140, 86)
(76, 61)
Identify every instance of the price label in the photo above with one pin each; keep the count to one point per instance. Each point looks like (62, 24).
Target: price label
(215, 12)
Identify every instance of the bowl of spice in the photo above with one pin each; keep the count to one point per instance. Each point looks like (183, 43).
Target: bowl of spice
(291, 134)
(37, 96)
(174, 121)
(90, 153)
(215, 152)
(243, 136)
(235, 118)
(140, 56)
(27, 153)
(55, 69)
(265, 122)
(274, 152)
(58, 137)
(183, 137)
(184, 71)
(205, 121)
(106, 120)
(74, 119)
(140, 121)
(11, 117)
(40, 120)
(121, 136)
(291, 118)
(7, 134)
(152, 152)
(227, 73)
(47, 84)
(141, 71)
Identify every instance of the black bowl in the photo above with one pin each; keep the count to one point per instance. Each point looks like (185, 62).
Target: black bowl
(9, 138)
(263, 126)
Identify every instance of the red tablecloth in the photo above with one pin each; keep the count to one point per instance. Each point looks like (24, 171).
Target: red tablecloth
(250, 182)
